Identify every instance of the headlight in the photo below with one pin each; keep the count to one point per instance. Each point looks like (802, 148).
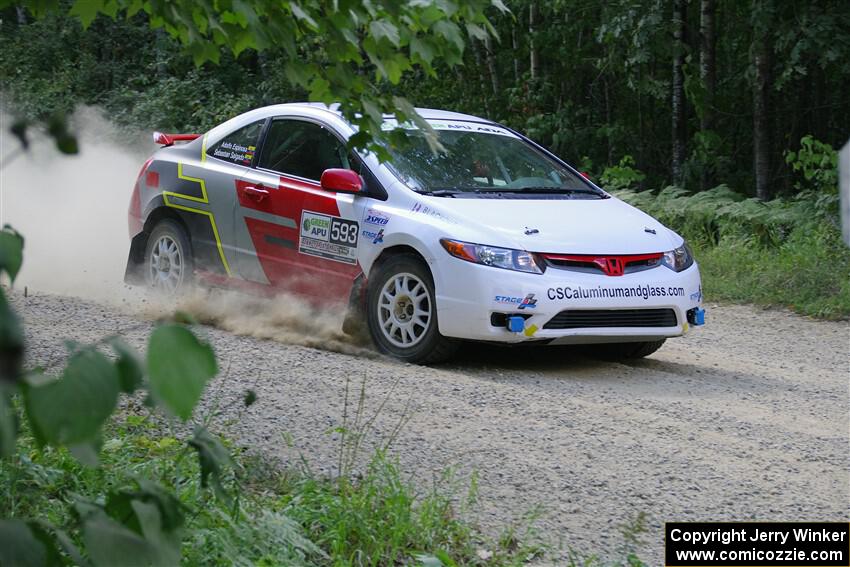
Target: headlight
(505, 258)
(678, 259)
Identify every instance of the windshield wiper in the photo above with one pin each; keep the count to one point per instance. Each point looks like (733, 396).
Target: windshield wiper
(547, 189)
(542, 189)
(440, 192)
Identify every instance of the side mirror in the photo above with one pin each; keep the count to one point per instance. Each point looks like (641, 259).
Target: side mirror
(341, 181)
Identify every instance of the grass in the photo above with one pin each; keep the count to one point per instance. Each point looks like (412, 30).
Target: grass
(277, 518)
(785, 252)
(809, 274)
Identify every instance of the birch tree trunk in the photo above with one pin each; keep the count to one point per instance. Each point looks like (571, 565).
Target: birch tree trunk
(677, 102)
(515, 45)
(479, 64)
(708, 75)
(490, 56)
(534, 57)
(761, 126)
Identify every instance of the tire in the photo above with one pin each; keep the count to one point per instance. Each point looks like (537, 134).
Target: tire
(625, 351)
(401, 312)
(168, 264)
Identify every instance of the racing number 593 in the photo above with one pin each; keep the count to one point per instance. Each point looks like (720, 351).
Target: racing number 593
(344, 232)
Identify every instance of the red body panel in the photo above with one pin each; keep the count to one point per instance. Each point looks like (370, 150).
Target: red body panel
(325, 280)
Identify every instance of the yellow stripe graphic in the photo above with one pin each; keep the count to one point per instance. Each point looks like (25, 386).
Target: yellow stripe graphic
(202, 199)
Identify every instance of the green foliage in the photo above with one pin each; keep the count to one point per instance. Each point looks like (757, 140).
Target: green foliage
(11, 252)
(711, 216)
(179, 366)
(70, 410)
(138, 526)
(121, 513)
(809, 273)
(621, 176)
(213, 457)
(785, 252)
(708, 156)
(602, 90)
(380, 518)
(128, 365)
(11, 338)
(342, 51)
(212, 531)
(134, 528)
(817, 162)
(26, 544)
(267, 525)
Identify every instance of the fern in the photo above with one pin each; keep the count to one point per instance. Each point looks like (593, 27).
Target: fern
(721, 213)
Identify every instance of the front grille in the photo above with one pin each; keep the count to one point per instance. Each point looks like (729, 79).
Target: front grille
(596, 318)
(589, 267)
(610, 265)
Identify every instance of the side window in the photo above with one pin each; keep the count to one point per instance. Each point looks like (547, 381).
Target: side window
(303, 149)
(238, 147)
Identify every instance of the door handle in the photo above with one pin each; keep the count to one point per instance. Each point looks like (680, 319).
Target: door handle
(258, 193)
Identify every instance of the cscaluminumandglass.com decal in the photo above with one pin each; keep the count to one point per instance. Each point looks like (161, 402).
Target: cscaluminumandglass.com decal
(757, 544)
(600, 292)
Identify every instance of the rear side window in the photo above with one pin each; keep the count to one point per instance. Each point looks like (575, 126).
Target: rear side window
(238, 147)
(303, 149)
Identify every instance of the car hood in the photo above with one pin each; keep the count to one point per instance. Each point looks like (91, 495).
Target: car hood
(576, 226)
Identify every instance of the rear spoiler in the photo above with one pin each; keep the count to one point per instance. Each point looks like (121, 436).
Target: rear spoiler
(166, 140)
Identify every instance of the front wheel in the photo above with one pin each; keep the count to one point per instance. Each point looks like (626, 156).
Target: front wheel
(402, 312)
(625, 351)
(168, 258)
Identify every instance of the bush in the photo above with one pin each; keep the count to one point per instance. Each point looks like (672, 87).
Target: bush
(785, 252)
(817, 162)
(136, 499)
(288, 518)
(622, 176)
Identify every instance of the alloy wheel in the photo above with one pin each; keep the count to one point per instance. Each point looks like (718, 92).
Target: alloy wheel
(165, 268)
(404, 310)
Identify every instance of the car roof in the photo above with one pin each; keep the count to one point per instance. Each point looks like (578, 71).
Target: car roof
(317, 108)
(427, 113)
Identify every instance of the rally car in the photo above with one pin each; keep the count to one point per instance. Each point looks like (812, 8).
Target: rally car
(489, 238)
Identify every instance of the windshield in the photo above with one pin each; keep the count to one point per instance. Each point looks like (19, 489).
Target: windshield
(480, 158)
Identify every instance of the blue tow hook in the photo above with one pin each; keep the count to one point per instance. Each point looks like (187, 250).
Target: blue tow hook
(696, 316)
(515, 323)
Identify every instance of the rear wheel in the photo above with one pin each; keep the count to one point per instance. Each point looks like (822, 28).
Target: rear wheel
(402, 313)
(625, 351)
(168, 258)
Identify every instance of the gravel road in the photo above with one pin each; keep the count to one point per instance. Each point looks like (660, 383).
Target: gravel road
(746, 418)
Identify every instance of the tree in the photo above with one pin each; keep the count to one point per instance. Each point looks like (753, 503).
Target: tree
(602, 87)
(677, 97)
(534, 53)
(490, 56)
(384, 38)
(761, 11)
(708, 75)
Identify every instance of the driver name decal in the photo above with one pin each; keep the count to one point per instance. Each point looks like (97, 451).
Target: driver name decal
(333, 238)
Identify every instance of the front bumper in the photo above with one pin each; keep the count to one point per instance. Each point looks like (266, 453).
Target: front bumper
(468, 296)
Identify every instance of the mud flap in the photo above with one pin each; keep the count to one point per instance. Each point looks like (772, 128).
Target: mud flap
(354, 323)
(134, 274)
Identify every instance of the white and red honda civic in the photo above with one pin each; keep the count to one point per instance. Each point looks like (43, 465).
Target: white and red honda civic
(491, 238)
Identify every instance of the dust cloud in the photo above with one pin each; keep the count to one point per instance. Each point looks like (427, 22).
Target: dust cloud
(284, 318)
(72, 212)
